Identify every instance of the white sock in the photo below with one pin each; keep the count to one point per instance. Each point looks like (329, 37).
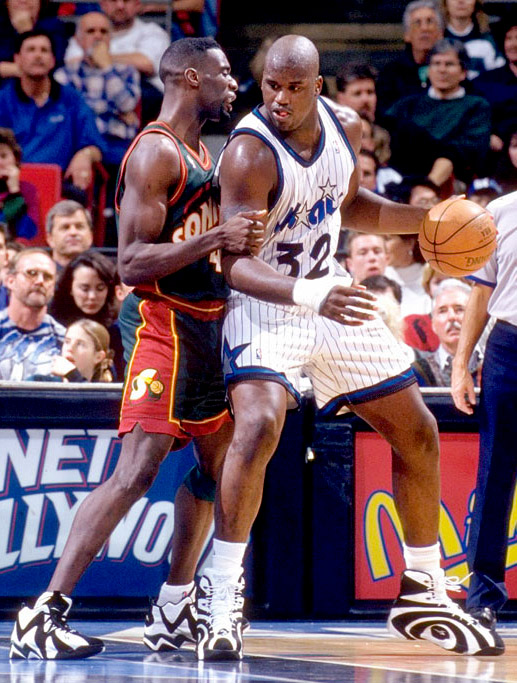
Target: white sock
(426, 559)
(170, 593)
(228, 557)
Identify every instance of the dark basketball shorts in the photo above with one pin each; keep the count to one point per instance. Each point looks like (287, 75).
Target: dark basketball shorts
(174, 383)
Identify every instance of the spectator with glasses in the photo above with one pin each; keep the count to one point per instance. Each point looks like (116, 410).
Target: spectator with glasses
(29, 336)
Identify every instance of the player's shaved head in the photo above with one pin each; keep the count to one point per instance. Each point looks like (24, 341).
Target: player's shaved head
(183, 54)
(293, 52)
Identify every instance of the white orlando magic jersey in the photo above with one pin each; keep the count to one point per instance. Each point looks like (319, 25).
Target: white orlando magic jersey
(303, 225)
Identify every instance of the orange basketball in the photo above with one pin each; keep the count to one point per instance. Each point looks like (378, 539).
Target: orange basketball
(457, 237)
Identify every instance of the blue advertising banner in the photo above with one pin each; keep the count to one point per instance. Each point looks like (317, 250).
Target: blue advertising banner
(45, 474)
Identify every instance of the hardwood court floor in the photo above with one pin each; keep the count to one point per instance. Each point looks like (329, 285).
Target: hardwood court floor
(280, 652)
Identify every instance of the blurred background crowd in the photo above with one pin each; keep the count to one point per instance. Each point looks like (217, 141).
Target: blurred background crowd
(435, 84)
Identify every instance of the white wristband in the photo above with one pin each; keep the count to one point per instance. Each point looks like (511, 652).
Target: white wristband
(312, 293)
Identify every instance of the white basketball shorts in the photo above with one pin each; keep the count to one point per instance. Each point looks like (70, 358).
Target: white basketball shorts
(346, 365)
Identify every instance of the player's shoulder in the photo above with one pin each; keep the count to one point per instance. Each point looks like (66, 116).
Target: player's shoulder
(248, 144)
(154, 154)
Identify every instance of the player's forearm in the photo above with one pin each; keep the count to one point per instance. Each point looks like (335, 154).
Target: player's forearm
(474, 321)
(371, 213)
(140, 262)
(251, 276)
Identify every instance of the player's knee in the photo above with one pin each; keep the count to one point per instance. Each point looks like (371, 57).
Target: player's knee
(132, 483)
(258, 436)
(426, 435)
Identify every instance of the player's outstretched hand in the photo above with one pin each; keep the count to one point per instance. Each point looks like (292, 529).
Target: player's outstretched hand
(349, 305)
(333, 297)
(243, 233)
(462, 389)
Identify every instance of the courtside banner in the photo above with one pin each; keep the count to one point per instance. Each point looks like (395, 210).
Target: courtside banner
(378, 534)
(48, 465)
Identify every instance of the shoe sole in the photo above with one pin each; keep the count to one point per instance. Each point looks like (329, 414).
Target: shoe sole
(26, 653)
(484, 652)
(220, 655)
(166, 644)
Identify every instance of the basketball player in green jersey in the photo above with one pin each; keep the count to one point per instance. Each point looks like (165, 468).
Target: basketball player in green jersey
(169, 250)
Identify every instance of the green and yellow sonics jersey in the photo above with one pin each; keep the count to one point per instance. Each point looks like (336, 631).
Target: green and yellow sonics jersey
(192, 211)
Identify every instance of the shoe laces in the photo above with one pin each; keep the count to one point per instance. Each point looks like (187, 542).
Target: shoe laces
(58, 619)
(452, 584)
(221, 598)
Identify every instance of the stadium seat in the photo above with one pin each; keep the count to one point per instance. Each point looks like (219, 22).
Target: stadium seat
(45, 180)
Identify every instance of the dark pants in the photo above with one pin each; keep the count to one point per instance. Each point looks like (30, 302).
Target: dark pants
(497, 469)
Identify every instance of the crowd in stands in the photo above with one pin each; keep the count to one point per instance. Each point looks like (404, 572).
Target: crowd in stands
(439, 118)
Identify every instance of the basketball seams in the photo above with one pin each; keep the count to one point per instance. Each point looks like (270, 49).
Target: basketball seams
(438, 220)
(451, 255)
(482, 214)
(457, 253)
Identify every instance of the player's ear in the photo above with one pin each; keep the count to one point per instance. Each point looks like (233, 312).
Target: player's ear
(318, 85)
(192, 77)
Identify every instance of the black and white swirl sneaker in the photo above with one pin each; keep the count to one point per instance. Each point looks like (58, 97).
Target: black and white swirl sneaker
(423, 611)
(172, 625)
(42, 632)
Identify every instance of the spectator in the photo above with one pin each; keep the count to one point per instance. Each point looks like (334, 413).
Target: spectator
(20, 16)
(51, 122)
(505, 172)
(29, 336)
(418, 330)
(190, 18)
(483, 191)
(415, 190)
(369, 165)
(407, 75)
(466, 21)
(85, 356)
(86, 289)
(433, 368)
(250, 93)
(355, 82)
(111, 90)
(69, 231)
(11, 249)
(121, 291)
(13, 206)
(405, 265)
(135, 42)
(423, 193)
(449, 129)
(499, 87)
(4, 295)
(366, 255)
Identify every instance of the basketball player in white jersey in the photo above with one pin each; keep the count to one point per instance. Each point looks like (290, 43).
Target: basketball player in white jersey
(289, 314)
